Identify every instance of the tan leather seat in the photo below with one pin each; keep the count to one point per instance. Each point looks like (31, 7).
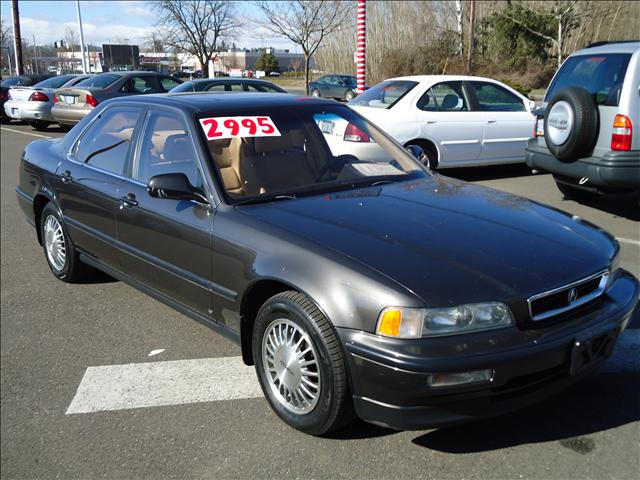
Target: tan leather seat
(278, 163)
(226, 156)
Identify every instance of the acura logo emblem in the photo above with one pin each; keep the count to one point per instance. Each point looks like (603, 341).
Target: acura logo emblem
(573, 295)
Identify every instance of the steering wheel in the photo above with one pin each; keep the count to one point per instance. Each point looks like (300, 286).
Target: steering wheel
(344, 159)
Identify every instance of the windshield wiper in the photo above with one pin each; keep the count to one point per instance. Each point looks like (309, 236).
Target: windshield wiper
(249, 201)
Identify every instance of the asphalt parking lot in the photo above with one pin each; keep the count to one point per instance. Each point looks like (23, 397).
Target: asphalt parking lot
(60, 417)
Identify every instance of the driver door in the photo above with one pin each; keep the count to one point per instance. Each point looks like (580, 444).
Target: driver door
(166, 243)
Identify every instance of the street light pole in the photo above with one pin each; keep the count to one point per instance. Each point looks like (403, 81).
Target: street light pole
(84, 67)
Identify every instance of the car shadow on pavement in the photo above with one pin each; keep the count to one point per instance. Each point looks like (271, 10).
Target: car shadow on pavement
(494, 172)
(359, 429)
(601, 402)
(621, 205)
(98, 276)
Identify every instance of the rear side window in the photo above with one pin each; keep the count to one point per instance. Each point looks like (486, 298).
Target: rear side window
(494, 98)
(261, 87)
(54, 82)
(140, 85)
(601, 75)
(106, 143)
(99, 81)
(384, 95)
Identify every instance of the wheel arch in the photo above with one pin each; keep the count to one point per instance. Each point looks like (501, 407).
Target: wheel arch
(427, 145)
(39, 202)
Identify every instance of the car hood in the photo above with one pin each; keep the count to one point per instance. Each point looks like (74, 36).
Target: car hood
(448, 241)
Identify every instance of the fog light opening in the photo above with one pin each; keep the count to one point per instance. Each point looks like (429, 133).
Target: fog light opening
(460, 378)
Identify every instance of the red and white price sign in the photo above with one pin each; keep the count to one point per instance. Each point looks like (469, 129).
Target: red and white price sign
(231, 127)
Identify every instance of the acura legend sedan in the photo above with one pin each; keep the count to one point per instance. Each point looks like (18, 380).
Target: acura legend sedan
(355, 285)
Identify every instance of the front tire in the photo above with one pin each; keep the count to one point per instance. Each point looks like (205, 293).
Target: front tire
(300, 365)
(316, 93)
(58, 250)
(350, 95)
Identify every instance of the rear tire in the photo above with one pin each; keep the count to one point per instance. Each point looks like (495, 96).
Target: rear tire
(430, 152)
(59, 251)
(308, 391)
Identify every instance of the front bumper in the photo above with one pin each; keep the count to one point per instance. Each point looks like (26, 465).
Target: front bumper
(65, 115)
(29, 111)
(390, 378)
(613, 169)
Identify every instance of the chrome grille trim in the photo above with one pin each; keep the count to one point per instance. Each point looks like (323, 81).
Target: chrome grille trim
(604, 274)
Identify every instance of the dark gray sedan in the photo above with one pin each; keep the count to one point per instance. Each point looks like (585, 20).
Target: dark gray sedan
(353, 278)
(71, 104)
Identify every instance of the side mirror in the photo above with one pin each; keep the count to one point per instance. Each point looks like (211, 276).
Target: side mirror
(175, 186)
(418, 153)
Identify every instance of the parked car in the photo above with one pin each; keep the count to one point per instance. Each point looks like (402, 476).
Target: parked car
(33, 104)
(459, 121)
(347, 282)
(588, 133)
(23, 80)
(72, 104)
(221, 85)
(340, 87)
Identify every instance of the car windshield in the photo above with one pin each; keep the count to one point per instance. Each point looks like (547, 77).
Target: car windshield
(272, 153)
(55, 82)
(384, 95)
(348, 80)
(99, 81)
(602, 75)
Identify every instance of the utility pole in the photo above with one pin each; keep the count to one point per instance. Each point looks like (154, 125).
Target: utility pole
(35, 56)
(84, 65)
(472, 17)
(17, 40)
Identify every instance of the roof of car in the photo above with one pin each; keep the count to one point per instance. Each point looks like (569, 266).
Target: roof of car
(610, 47)
(199, 102)
(439, 78)
(227, 79)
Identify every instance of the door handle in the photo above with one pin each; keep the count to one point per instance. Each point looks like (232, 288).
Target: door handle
(491, 121)
(66, 177)
(431, 122)
(128, 201)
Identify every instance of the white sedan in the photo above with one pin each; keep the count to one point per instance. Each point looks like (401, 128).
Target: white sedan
(459, 121)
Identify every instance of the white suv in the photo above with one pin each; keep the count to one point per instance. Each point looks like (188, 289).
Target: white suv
(588, 133)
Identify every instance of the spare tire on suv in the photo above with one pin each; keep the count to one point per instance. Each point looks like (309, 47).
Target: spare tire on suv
(571, 124)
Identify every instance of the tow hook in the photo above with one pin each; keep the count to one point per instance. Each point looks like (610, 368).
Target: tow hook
(583, 180)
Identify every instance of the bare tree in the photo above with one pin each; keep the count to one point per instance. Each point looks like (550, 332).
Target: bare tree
(196, 26)
(305, 23)
(5, 42)
(71, 41)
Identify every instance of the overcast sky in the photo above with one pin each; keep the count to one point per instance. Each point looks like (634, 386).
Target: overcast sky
(106, 21)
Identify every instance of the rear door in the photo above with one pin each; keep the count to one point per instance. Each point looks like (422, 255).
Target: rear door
(507, 124)
(166, 244)
(89, 180)
(445, 117)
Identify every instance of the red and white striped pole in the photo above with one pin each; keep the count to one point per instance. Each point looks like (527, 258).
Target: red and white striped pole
(361, 46)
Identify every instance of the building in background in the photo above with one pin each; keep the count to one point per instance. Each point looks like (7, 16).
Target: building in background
(240, 59)
(71, 62)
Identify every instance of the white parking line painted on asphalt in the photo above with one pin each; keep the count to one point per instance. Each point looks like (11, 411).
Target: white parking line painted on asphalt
(24, 133)
(628, 240)
(139, 385)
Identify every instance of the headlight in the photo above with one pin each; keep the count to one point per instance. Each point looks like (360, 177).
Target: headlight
(418, 322)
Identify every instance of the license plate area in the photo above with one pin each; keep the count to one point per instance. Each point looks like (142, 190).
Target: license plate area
(587, 351)
(70, 99)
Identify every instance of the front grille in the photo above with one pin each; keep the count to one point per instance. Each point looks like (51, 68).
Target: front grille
(564, 299)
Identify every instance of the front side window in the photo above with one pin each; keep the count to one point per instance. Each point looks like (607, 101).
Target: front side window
(140, 85)
(494, 98)
(384, 95)
(308, 150)
(444, 97)
(106, 143)
(166, 147)
(602, 75)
